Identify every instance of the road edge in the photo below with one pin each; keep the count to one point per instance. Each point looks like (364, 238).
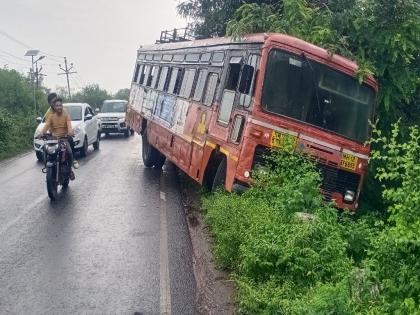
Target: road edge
(215, 290)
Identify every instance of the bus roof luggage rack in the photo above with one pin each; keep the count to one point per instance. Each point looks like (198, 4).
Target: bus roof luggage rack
(176, 35)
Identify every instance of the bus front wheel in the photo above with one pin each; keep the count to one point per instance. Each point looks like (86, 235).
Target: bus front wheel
(151, 156)
(220, 176)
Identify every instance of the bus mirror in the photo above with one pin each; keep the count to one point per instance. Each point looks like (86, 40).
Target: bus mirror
(246, 79)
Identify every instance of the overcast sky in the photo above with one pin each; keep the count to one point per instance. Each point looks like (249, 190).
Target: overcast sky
(99, 36)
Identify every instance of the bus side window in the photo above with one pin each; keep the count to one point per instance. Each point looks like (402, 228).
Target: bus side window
(136, 73)
(155, 80)
(172, 82)
(187, 83)
(167, 80)
(140, 73)
(247, 80)
(144, 74)
(178, 81)
(210, 89)
(199, 85)
(234, 73)
(151, 75)
(162, 79)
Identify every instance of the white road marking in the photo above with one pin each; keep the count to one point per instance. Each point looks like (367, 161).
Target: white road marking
(165, 285)
(162, 196)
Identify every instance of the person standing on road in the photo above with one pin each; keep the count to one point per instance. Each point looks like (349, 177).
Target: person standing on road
(58, 122)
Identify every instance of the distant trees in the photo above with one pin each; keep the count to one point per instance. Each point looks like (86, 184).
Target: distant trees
(91, 94)
(122, 94)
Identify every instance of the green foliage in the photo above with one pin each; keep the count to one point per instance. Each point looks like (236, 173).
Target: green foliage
(290, 253)
(279, 237)
(394, 259)
(91, 94)
(17, 112)
(210, 16)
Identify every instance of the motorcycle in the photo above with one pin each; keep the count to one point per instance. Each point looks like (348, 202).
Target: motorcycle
(57, 164)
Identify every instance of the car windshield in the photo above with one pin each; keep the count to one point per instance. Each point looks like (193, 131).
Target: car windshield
(114, 107)
(75, 112)
(318, 95)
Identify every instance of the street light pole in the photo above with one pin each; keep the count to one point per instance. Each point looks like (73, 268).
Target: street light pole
(33, 53)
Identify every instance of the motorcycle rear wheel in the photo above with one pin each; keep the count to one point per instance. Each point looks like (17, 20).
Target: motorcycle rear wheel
(51, 183)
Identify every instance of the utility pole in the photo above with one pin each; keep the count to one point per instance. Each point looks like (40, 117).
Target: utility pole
(38, 75)
(67, 71)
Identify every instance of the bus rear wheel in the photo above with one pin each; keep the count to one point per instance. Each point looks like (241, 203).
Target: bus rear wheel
(151, 156)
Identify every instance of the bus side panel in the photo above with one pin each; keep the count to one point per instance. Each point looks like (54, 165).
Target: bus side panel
(195, 167)
(138, 99)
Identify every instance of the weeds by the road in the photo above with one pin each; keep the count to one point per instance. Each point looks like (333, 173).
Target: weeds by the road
(290, 253)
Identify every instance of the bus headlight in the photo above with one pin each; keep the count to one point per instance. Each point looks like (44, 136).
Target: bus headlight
(349, 196)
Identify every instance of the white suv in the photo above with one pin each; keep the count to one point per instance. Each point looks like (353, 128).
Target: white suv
(85, 125)
(112, 117)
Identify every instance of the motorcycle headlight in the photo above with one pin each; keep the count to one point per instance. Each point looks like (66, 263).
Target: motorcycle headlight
(52, 148)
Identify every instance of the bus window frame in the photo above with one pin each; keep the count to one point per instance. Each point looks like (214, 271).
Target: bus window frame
(206, 72)
(206, 87)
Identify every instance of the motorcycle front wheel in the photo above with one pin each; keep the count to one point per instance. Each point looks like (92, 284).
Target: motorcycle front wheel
(51, 183)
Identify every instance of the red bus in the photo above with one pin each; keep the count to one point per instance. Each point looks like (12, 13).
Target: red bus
(214, 106)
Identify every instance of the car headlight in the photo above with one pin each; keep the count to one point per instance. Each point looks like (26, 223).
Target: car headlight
(121, 120)
(52, 148)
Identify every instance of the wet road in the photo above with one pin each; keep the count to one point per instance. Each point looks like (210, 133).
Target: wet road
(115, 242)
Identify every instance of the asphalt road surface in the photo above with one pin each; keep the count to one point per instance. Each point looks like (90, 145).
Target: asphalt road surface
(114, 242)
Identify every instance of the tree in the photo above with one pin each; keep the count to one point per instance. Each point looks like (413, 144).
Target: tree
(122, 94)
(211, 16)
(91, 94)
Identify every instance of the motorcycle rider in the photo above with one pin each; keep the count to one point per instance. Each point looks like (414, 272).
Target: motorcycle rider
(58, 121)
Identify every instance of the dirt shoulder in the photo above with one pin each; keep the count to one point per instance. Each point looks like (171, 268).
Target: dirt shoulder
(214, 288)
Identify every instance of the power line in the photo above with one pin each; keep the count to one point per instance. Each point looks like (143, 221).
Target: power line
(15, 39)
(12, 62)
(14, 56)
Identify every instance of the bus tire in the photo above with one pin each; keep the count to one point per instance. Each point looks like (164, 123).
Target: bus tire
(220, 176)
(159, 160)
(151, 156)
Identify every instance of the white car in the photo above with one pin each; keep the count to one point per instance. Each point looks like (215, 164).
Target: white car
(112, 117)
(85, 125)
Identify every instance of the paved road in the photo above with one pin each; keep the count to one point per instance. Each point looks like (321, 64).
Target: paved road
(115, 242)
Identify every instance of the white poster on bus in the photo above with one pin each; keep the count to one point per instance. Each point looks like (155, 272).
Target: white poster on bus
(180, 115)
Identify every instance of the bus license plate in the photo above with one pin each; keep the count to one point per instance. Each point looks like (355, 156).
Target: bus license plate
(282, 140)
(348, 161)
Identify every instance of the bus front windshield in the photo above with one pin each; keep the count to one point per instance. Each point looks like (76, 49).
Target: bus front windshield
(318, 95)
(114, 107)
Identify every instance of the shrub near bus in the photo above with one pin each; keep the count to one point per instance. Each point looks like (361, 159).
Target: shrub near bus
(214, 107)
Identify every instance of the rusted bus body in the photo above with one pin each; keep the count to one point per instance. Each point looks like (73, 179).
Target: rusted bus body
(216, 101)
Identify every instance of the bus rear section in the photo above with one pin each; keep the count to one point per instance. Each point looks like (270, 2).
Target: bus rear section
(218, 105)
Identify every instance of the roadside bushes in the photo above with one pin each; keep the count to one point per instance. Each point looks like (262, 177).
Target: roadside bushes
(279, 238)
(291, 253)
(17, 112)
